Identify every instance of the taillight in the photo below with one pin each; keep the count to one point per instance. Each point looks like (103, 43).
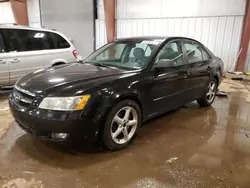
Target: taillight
(75, 54)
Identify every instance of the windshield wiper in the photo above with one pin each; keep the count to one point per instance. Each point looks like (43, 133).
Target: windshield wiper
(104, 65)
(81, 61)
(99, 64)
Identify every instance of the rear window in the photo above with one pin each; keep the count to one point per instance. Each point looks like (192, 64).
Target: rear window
(20, 40)
(60, 42)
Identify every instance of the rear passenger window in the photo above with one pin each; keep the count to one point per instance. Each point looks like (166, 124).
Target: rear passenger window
(60, 42)
(195, 52)
(172, 51)
(20, 40)
(11, 39)
(39, 40)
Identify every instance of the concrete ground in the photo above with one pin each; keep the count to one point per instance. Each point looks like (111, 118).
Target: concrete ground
(190, 147)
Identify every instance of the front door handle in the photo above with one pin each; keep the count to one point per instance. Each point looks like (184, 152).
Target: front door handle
(15, 61)
(208, 68)
(2, 61)
(186, 72)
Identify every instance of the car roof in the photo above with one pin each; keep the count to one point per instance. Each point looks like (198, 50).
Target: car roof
(153, 38)
(13, 26)
(142, 38)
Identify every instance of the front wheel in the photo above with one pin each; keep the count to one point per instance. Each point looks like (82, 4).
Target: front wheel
(121, 125)
(209, 95)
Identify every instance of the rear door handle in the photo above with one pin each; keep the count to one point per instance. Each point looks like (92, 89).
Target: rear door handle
(185, 74)
(15, 61)
(2, 61)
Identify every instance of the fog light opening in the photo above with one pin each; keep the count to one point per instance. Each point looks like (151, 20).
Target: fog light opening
(59, 135)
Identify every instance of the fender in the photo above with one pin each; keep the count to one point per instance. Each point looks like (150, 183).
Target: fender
(217, 76)
(59, 60)
(105, 104)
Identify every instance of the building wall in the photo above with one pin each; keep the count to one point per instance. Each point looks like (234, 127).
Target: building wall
(217, 24)
(100, 33)
(221, 34)
(178, 8)
(100, 27)
(34, 13)
(6, 14)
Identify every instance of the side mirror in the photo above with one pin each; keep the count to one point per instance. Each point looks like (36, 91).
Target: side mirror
(165, 63)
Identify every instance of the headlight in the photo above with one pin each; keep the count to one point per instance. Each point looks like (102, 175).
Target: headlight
(64, 103)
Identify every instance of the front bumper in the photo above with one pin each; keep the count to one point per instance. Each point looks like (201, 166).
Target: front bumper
(43, 123)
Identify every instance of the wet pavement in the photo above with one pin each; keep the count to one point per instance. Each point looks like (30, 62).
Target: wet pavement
(186, 148)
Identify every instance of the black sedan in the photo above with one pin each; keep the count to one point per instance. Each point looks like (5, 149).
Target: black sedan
(118, 87)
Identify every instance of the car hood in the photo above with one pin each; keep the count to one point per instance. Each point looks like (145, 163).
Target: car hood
(67, 76)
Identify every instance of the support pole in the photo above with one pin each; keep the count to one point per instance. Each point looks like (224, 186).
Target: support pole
(20, 11)
(244, 39)
(109, 10)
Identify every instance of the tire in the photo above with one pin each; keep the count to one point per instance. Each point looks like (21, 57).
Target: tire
(208, 100)
(117, 125)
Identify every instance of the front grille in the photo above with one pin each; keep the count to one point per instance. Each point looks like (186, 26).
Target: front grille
(20, 99)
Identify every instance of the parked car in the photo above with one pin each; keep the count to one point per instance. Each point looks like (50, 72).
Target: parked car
(24, 50)
(118, 87)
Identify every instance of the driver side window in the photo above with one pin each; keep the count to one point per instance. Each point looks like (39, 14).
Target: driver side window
(171, 51)
(146, 48)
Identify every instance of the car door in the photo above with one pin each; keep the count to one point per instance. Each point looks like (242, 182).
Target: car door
(200, 66)
(169, 83)
(4, 66)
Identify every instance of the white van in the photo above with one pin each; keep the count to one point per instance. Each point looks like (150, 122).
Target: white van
(24, 49)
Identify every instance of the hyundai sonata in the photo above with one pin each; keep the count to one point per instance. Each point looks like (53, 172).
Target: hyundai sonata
(118, 87)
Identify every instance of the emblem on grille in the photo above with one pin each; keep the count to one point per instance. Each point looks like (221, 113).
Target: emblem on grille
(17, 97)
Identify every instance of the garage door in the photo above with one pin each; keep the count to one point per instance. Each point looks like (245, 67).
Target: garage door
(74, 18)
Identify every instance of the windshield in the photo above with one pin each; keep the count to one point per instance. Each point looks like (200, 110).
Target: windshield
(132, 54)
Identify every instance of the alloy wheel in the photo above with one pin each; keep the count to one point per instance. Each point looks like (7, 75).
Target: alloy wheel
(211, 91)
(124, 125)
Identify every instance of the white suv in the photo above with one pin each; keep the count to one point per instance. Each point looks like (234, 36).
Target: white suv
(23, 50)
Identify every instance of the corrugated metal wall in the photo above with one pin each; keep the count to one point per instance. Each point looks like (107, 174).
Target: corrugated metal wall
(247, 65)
(220, 34)
(218, 28)
(34, 13)
(178, 8)
(100, 33)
